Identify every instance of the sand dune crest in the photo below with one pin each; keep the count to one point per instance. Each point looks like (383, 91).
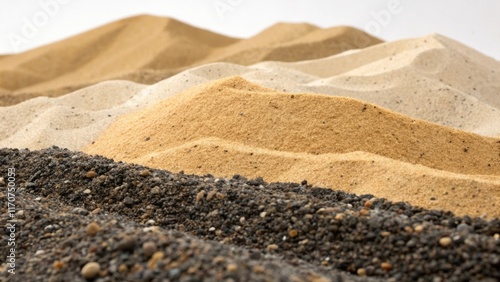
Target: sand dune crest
(147, 49)
(240, 111)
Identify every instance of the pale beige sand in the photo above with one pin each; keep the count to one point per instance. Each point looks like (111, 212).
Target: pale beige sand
(78, 118)
(298, 131)
(147, 49)
(435, 102)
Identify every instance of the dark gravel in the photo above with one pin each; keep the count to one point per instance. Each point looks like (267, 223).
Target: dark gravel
(282, 231)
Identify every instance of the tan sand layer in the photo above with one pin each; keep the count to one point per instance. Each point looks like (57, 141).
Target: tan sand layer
(237, 110)
(146, 49)
(232, 126)
(355, 172)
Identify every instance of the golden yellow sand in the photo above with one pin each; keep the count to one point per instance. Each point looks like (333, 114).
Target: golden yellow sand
(319, 129)
(147, 49)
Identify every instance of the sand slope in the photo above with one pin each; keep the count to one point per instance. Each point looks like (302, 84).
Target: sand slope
(291, 136)
(147, 49)
(39, 123)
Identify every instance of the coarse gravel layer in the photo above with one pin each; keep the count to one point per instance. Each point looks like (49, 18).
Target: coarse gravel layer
(297, 229)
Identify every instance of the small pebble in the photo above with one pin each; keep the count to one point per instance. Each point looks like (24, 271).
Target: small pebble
(211, 195)
(127, 244)
(361, 272)
(80, 211)
(155, 190)
(385, 234)
(91, 174)
(293, 233)
(386, 266)
(272, 247)
(90, 270)
(445, 241)
(419, 228)
(58, 264)
(92, 228)
(200, 196)
(87, 191)
(123, 268)
(149, 248)
(145, 173)
(155, 258)
(218, 259)
(232, 267)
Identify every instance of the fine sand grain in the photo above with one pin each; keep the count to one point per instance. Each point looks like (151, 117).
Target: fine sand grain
(147, 49)
(291, 136)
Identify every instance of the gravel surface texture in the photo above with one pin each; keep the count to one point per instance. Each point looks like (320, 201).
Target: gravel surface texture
(86, 217)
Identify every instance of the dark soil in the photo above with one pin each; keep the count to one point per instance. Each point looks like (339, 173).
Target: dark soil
(201, 227)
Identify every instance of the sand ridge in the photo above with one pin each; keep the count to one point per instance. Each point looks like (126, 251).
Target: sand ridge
(237, 110)
(147, 49)
(232, 126)
(401, 88)
(354, 172)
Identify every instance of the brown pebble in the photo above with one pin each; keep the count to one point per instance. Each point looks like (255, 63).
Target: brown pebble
(386, 266)
(361, 272)
(419, 228)
(58, 264)
(90, 270)
(232, 267)
(210, 195)
(408, 229)
(368, 204)
(127, 244)
(364, 212)
(91, 174)
(220, 196)
(385, 234)
(326, 210)
(123, 268)
(149, 248)
(152, 263)
(96, 211)
(145, 173)
(293, 233)
(339, 216)
(200, 196)
(445, 241)
(258, 269)
(92, 228)
(272, 247)
(218, 259)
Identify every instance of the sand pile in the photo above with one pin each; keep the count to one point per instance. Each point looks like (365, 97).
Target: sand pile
(146, 49)
(279, 134)
(401, 87)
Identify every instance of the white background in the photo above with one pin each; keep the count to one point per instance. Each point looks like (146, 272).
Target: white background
(474, 23)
